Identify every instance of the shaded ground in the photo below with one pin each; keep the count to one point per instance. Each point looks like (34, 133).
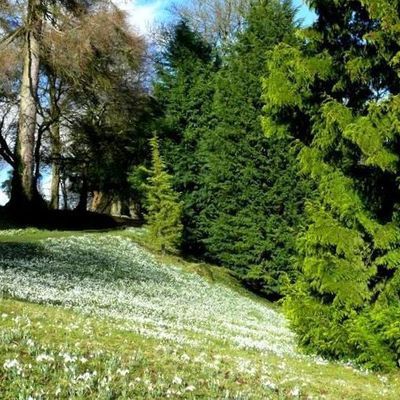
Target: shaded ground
(63, 220)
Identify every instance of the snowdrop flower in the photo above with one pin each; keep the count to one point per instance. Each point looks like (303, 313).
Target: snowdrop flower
(295, 392)
(11, 364)
(270, 385)
(383, 379)
(177, 380)
(44, 358)
(86, 376)
(185, 357)
(122, 372)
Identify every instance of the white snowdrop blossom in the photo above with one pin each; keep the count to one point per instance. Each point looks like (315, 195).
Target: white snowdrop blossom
(10, 364)
(44, 358)
(123, 372)
(185, 357)
(295, 392)
(177, 380)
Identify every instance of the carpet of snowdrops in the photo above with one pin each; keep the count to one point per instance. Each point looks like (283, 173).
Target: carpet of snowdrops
(215, 342)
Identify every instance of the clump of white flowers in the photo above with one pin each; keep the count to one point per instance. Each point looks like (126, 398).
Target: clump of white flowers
(14, 366)
(44, 358)
(112, 277)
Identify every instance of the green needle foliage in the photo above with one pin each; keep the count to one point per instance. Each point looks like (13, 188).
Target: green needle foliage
(256, 197)
(243, 198)
(164, 210)
(184, 91)
(339, 97)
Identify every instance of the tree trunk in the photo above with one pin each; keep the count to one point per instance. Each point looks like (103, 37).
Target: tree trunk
(64, 191)
(24, 191)
(101, 202)
(83, 196)
(56, 148)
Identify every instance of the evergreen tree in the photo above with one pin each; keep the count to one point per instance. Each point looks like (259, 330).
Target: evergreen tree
(255, 197)
(163, 207)
(184, 91)
(338, 95)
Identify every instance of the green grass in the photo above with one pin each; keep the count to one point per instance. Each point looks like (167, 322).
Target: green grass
(54, 329)
(130, 365)
(211, 273)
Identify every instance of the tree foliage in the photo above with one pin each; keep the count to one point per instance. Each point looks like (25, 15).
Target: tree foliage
(256, 199)
(163, 207)
(344, 89)
(241, 208)
(184, 91)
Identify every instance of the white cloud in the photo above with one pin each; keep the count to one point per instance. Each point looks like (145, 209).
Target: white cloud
(141, 17)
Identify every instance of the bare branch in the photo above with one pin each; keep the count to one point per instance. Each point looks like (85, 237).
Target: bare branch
(8, 39)
(5, 151)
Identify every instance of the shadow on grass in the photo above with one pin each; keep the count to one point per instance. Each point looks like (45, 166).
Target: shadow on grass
(99, 263)
(62, 220)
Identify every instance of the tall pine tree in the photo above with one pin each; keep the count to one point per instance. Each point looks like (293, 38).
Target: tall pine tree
(254, 205)
(338, 95)
(184, 91)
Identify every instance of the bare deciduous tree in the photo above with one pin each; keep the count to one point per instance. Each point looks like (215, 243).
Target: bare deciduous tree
(217, 20)
(68, 43)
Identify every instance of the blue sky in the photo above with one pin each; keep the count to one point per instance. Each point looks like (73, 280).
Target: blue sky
(163, 4)
(305, 13)
(145, 12)
(3, 177)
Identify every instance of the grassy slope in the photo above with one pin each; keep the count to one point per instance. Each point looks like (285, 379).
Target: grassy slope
(52, 352)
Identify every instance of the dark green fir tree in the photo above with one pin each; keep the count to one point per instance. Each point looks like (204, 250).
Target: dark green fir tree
(184, 92)
(337, 93)
(252, 204)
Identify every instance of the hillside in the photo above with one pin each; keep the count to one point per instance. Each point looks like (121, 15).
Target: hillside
(96, 316)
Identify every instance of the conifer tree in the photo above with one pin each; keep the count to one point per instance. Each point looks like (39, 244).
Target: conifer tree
(338, 96)
(184, 91)
(255, 202)
(163, 207)
(241, 192)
